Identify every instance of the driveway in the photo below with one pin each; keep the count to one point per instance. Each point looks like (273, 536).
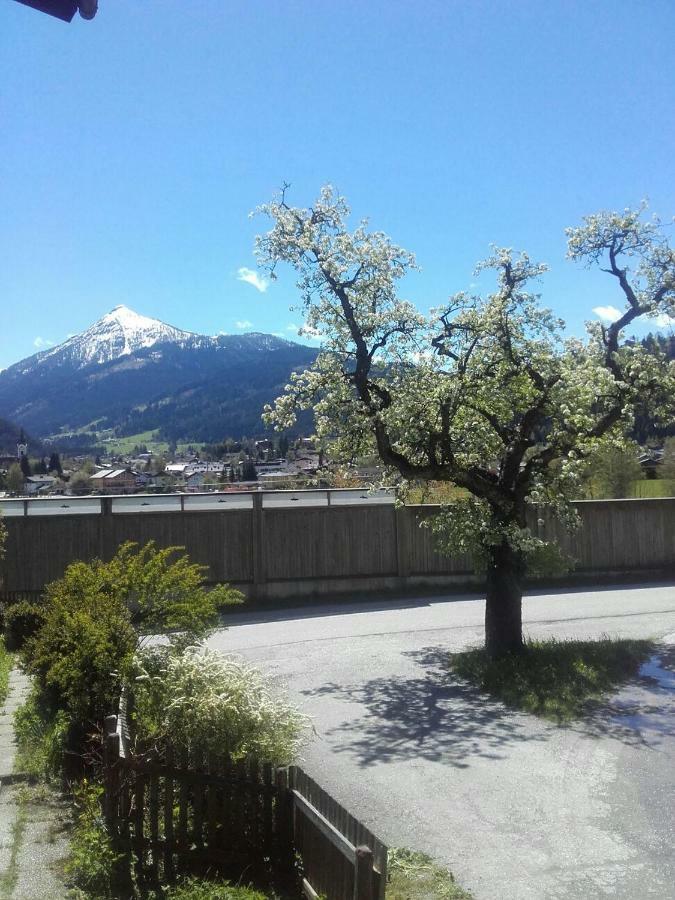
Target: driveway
(516, 807)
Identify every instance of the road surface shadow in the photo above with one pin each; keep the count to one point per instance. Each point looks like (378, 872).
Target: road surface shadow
(435, 717)
(440, 718)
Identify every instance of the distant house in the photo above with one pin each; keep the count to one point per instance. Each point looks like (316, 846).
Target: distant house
(213, 467)
(194, 481)
(307, 465)
(114, 481)
(176, 468)
(650, 459)
(37, 484)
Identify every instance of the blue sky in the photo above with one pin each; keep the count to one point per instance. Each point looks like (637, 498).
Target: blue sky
(134, 146)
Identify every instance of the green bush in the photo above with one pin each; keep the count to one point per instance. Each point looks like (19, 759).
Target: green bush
(22, 621)
(200, 889)
(84, 647)
(41, 736)
(94, 618)
(164, 591)
(211, 703)
(92, 861)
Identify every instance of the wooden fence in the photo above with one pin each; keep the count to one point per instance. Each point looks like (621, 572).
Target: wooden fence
(271, 551)
(340, 856)
(196, 814)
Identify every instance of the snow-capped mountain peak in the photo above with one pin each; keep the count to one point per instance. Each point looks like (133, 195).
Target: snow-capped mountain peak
(118, 333)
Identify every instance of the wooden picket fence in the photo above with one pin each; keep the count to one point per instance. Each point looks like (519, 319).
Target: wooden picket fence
(181, 812)
(341, 858)
(9, 598)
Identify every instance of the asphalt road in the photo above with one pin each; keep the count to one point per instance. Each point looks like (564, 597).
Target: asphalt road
(516, 807)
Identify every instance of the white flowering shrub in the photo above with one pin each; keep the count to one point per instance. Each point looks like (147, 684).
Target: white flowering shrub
(200, 700)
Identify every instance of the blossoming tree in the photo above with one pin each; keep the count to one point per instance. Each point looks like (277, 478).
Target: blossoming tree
(485, 392)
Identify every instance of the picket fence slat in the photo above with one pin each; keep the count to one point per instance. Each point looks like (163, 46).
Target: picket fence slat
(168, 818)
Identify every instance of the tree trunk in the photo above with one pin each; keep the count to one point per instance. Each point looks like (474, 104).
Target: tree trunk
(503, 602)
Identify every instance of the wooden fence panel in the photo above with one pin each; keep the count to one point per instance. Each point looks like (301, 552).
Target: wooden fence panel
(328, 837)
(423, 557)
(38, 549)
(235, 818)
(329, 542)
(220, 541)
(331, 545)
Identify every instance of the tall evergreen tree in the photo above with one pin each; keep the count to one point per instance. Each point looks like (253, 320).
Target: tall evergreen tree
(248, 471)
(15, 479)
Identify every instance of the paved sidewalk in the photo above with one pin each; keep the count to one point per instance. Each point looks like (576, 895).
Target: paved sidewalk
(19, 686)
(9, 808)
(33, 840)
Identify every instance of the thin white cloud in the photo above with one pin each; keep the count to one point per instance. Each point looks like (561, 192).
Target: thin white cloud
(244, 324)
(293, 327)
(663, 320)
(41, 342)
(607, 313)
(259, 282)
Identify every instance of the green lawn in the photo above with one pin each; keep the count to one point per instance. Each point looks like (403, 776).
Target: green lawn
(554, 679)
(122, 446)
(654, 487)
(415, 876)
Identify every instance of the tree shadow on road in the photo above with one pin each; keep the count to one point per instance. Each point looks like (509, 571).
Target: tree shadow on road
(435, 717)
(440, 718)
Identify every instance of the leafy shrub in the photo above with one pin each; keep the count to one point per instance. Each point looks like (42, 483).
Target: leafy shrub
(41, 736)
(164, 591)
(213, 703)
(84, 646)
(92, 861)
(22, 621)
(95, 615)
(199, 889)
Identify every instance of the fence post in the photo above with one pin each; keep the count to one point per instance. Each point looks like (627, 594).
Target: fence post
(285, 823)
(363, 874)
(111, 755)
(258, 543)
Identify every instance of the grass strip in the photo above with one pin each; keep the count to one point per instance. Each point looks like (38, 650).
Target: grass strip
(554, 679)
(6, 661)
(415, 876)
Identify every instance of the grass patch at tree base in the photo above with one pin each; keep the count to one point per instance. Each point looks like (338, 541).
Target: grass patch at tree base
(554, 679)
(415, 876)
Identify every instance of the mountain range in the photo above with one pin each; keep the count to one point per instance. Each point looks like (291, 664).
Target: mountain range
(133, 374)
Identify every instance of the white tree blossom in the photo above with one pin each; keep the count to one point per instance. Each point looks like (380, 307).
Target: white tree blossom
(484, 392)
